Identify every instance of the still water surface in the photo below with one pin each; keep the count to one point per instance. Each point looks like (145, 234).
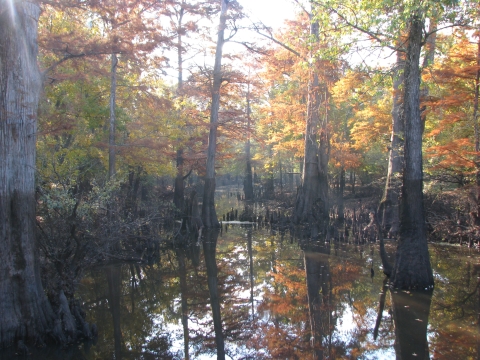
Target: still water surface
(255, 294)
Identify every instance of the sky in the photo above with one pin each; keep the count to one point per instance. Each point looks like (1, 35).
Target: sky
(271, 12)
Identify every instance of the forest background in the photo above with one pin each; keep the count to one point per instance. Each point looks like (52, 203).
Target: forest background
(122, 149)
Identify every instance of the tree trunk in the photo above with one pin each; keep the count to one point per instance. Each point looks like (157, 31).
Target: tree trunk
(179, 190)
(281, 175)
(25, 313)
(209, 215)
(312, 198)
(247, 183)
(269, 184)
(179, 186)
(476, 128)
(111, 136)
(340, 202)
(412, 269)
(389, 205)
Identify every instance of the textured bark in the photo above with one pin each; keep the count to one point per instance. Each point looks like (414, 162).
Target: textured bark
(26, 315)
(389, 205)
(312, 198)
(24, 310)
(412, 269)
(209, 215)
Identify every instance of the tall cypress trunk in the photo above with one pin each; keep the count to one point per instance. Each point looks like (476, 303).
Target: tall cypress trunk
(25, 313)
(389, 205)
(340, 201)
(179, 186)
(312, 198)
(179, 190)
(476, 128)
(209, 215)
(248, 181)
(412, 269)
(112, 121)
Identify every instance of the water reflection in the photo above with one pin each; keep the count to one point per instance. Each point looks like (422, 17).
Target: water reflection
(209, 249)
(410, 315)
(250, 294)
(181, 257)
(114, 296)
(319, 294)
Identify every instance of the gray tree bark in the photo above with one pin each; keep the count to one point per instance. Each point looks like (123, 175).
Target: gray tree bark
(312, 198)
(25, 312)
(412, 269)
(389, 205)
(26, 315)
(209, 215)
(24, 309)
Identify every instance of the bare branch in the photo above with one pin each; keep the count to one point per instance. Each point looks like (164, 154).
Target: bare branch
(270, 36)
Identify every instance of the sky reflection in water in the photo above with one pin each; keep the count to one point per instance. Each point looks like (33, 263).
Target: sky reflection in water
(275, 299)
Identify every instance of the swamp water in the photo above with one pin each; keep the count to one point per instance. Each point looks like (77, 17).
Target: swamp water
(252, 293)
(261, 296)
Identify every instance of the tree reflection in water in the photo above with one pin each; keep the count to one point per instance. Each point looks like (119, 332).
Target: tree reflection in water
(319, 293)
(114, 296)
(209, 249)
(268, 298)
(180, 252)
(410, 315)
